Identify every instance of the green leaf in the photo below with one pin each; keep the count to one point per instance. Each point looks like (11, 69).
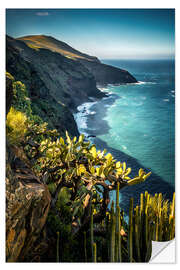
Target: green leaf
(81, 169)
(68, 138)
(81, 138)
(92, 170)
(128, 171)
(109, 157)
(118, 165)
(124, 166)
(99, 171)
(119, 171)
(141, 172)
(146, 175)
(93, 151)
(61, 140)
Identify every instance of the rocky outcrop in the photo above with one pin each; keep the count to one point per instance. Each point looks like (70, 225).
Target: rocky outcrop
(9, 93)
(27, 206)
(106, 74)
(27, 199)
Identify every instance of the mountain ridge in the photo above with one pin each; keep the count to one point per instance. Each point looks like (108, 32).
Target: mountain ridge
(103, 73)
(51, 43)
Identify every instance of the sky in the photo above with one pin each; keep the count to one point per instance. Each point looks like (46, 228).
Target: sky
(105, 33)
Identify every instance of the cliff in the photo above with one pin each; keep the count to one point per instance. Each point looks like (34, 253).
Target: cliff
(27, 201)
(58, 78)
(106, 74)
(103, 74)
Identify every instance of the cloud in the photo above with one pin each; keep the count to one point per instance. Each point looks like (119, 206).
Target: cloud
(42, 13)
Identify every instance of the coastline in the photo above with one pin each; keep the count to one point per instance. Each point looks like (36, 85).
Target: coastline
(96, 111)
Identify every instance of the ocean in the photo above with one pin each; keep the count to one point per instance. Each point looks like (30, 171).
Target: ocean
(136, 123)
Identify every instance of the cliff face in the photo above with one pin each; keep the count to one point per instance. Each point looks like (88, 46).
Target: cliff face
(106, 74)
(27, 201)
(58, 78)
(103, 74)
(27, 205)
(56, 84)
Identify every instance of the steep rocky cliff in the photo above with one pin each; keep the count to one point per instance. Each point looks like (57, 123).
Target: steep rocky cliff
(27, 205)
(58, 78)
(27, 201)
(106, 74)
(103, 74)
(56, 84)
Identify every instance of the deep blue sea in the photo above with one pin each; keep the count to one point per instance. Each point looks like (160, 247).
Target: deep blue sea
(136, 123)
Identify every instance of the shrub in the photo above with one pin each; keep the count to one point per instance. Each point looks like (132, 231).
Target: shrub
(15, 126)
(21, 101)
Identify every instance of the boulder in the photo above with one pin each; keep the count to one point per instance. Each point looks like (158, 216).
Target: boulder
(27, 205)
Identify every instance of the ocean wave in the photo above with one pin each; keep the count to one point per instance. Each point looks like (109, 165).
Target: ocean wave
(93, 112)
(142, 82)
(84, 108)
(103, 89)
(81, 121)
(166, 99)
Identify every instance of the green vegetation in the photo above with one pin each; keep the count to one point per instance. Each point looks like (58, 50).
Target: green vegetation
(20, 98)
(80, 179)
(16, 126)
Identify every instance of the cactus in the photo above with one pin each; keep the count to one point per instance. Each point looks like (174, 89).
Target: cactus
(57, 248)
(94, 253)
(158, 217)
(118, 251)
(91, 231)
(112, 242)
(137, 233)
(85, 250)
(130, 232)
(139, 237)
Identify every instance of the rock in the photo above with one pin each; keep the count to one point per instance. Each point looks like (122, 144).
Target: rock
(9, 93)
(27, 206)
(106, 74)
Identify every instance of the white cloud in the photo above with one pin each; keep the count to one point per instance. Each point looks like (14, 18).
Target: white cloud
(42, 13)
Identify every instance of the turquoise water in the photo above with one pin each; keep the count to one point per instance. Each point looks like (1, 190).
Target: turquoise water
(136, 123)
(142, 119)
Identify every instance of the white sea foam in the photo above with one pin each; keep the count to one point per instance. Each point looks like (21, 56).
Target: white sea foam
(81, 116)
(93, 112)
(142, 82)
(103, 89)
(166, 100)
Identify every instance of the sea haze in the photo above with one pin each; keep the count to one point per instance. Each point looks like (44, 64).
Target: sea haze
(136, 123)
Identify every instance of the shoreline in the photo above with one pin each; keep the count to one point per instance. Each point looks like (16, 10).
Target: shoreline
(95, 112)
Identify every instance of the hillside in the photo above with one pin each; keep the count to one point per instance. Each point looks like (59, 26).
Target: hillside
(103, 73)
(50, 43)
(55, 82)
